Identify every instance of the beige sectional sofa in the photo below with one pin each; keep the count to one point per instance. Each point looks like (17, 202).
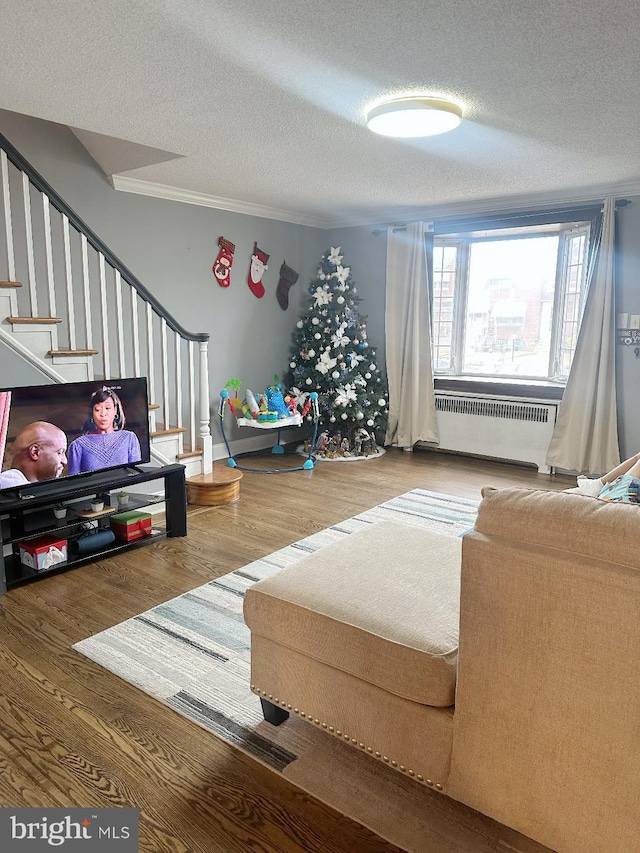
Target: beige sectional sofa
(529, 713)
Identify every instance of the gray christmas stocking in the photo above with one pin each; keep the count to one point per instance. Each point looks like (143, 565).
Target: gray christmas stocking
(288, 278)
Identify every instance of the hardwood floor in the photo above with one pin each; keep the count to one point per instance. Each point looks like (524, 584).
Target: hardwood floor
(72, 734)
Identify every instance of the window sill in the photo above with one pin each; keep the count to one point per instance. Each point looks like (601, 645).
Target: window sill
(531, 388)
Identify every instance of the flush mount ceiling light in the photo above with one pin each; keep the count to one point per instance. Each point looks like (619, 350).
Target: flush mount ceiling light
(414, 116)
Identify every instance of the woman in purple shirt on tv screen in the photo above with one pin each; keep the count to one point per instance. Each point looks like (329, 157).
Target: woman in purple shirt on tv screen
(105, 442)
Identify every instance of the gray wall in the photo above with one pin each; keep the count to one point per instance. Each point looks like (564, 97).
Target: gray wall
(171, 246)
(628, 300)
(366, 252)
(16, 372)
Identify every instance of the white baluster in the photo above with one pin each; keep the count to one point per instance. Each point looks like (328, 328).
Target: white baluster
(71, 314)
(165, 372)
(8, 225)
(48, 253)
(192, 396)
(28, 230)
(178, 368)
(135, 332)
(119, 324)
(104, 318)
(151, 370)
(87, 292)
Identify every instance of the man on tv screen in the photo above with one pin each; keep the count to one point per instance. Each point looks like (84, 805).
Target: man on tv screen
(39, 453)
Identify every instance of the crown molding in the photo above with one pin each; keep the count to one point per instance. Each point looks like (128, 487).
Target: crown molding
(383, 216)
(122, 183)
(401, 216)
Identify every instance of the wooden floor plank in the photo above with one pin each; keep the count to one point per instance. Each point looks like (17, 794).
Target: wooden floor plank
(73, 734)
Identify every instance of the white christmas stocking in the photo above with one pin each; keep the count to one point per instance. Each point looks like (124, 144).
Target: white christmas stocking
(256, 271)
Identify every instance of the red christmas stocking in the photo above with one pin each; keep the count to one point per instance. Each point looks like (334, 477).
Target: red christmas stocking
(256, 271)
(224, 261)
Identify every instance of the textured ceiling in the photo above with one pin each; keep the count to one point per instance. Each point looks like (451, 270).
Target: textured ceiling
(264, 103)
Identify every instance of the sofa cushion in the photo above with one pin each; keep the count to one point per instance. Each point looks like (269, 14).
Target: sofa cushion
(382, 605)
(572, 522)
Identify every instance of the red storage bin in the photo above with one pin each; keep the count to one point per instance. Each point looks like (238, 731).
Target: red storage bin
(129, 526)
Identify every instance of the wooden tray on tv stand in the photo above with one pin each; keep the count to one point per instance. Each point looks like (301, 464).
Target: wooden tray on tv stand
(89, 513)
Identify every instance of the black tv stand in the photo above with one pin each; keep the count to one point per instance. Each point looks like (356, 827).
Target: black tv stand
(27, 513)
(132, 470)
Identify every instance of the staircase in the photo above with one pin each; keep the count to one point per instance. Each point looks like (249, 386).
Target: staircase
(72, 309)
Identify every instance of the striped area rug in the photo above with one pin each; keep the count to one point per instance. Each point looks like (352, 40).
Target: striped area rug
(192, 653)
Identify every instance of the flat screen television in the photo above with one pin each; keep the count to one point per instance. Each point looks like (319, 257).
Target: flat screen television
(73, 429)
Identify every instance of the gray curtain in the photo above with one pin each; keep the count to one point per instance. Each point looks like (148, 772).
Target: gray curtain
(412, 409)
(585, 438)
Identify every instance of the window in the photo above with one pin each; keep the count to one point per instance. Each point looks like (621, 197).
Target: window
(509, 302)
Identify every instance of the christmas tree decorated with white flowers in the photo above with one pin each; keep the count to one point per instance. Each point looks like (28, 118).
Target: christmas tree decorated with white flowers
(331, 355)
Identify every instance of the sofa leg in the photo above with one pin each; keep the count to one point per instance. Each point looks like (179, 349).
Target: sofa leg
(272, 713)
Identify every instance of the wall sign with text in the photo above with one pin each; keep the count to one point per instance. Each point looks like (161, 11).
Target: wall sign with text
(629, 337)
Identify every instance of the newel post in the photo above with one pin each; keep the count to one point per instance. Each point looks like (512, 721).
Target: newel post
(205, 442)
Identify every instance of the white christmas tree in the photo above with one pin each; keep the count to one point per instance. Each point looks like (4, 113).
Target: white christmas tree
(331, 355)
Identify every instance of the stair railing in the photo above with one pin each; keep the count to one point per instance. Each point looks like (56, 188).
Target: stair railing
(65, 263)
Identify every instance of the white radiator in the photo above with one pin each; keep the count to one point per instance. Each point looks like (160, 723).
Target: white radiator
(497, 427)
